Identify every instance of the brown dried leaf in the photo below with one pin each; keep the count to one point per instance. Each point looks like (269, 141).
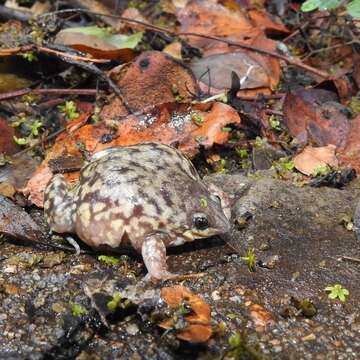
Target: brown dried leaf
(213, 19)
(199, 327)
(260, 316)
(210, 18)
(220, 67)
(7, 143)
(313, 115)
(155, 78)
(7, 189)
(349, 154)
(311, 158)
(174, 50)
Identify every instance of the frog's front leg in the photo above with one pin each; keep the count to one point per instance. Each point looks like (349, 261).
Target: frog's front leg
(153, 252)
(58, 205)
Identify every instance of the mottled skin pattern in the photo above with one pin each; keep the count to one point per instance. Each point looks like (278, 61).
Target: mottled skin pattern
(148, 196)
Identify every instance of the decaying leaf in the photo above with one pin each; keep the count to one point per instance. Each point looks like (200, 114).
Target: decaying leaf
(215, 71)
(349, 154)
(260, 316)
(99, 42)
(170, 124)
(7, 143)
(312, 158)
(7, 189)
(314, 115)
(214, 19)
(152, 79)
(198, 327)
(17, 223)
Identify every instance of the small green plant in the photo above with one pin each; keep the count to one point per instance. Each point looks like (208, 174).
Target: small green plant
(352, 7)
(250, 259)
(321, 170)
(275, 122)
(197, 118)
(284, 167)
(109, 260)
(221, 166)
(238, 348)
(4, 159)
(117, 302)
(21, 141)
(30, 56)
(337, 291)
(354, 105)
(32, 127)
(242, 153)
(69, 109)
(77, 309)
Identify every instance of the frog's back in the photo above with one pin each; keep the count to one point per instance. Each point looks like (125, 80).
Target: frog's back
(133, 190)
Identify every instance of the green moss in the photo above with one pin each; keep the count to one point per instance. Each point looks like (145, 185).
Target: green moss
(77, 309)
(109, 260)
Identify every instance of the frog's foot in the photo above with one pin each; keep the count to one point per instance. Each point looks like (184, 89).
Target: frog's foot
(73, 243)
(153, 252)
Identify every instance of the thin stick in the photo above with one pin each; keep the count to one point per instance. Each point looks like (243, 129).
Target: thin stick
(288, 60)
(21, 92)
(43, 49)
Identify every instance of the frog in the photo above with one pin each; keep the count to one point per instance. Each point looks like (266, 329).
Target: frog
(147, 196)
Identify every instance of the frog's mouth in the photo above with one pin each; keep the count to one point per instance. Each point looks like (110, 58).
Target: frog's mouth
(192, 235)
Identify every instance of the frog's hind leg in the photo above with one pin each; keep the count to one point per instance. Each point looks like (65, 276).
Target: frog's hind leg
(58, 205)
(153, 251)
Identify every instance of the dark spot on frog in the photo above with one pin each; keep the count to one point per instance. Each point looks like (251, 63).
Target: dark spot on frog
(155, 204)
(144, 63)
(138, 210)
(137, 165)
(167, 197)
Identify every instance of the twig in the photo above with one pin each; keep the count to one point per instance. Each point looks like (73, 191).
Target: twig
(43, 49)
(288, 60)
(316, 51)
(274, 112)
(349, 258)
(21, 92)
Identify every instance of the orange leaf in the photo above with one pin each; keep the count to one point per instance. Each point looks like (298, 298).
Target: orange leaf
(199, 328)
(311, 158)
(168, 123)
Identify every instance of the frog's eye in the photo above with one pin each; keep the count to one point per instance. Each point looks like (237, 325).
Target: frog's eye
(215, 198)
(200, 221)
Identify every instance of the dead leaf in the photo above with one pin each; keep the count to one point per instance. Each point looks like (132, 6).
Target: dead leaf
(349, 154)
(210, 18)
(7, 189)
(260, 316)
(155, 78)
(199, 327)
(168, 123)
(311, 158)
(213, 19)
(100, 43)
(313, 116)
(262, 20)
(174, 50)
(215, 71)
(7, 143)
(17, 223)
